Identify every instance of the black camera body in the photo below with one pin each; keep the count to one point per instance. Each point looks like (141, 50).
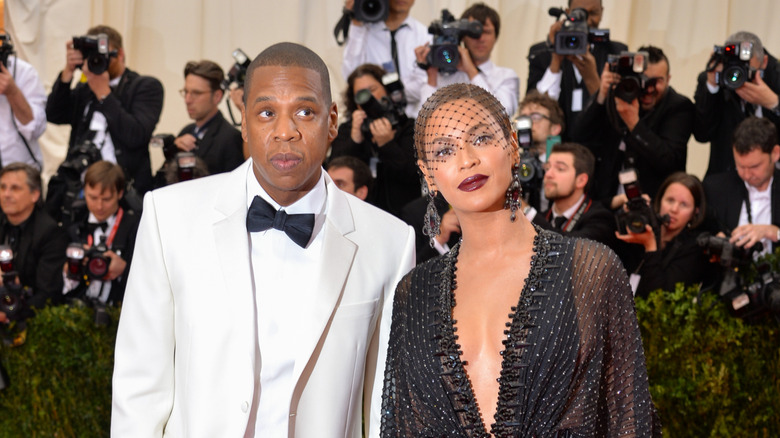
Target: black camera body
(745, 300)
(447, 35)
(95, 50)
(575, 35)
(736, 64)
(371, 11)
(6, 48)
(89, 264)
(530, 171)
(165, 141)
(12, 295)
(377, 109)
(631, 67)
(637, 214)
(237, 73)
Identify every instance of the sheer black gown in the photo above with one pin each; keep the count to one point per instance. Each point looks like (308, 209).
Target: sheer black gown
(573, 363)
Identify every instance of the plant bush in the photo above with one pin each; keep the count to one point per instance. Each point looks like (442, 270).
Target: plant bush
(60, 378)
(711, 374)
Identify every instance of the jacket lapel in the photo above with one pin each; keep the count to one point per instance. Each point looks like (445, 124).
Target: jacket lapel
(338, 254)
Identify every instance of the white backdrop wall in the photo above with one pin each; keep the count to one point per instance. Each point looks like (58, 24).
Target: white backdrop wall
(160, 36)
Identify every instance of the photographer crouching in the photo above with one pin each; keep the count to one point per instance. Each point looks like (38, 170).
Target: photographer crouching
(379, 133)
(102, 239)
(33, 244)
(667, 232)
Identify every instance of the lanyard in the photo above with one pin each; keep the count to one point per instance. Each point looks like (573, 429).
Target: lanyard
(568, 225)
(112, 234)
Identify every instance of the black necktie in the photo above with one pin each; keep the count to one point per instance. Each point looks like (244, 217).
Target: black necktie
(262, 216)
(394, 51)
(558, 222)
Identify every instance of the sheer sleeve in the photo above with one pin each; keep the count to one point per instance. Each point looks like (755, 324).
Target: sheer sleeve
(606, 315)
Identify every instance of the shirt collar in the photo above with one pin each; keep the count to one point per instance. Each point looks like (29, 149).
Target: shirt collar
(312, 202)
(573, 209)
(752, 191)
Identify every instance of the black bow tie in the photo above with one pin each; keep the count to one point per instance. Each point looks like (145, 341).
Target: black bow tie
(262, 216)
(558, 222)
(92, 226)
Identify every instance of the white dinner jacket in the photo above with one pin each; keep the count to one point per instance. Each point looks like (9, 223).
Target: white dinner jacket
(186, 346)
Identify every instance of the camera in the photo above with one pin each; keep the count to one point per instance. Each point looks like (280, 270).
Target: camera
(575, 35)
(94, 49)
(447, 35)
(80, 156)
(87, 264)
(736, 64)
(631, 67)
(747, 299)
(186, 165)
(531, 171)
(637, 214)
(164, 141)
(395, 89)
(371, 11)
(237, 73)
(12, 295)
(376, 109)
(6, 48)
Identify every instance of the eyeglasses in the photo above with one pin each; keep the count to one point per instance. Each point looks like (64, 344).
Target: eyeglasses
(194, 93)
(538, 117)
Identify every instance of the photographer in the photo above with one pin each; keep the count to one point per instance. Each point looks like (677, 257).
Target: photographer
(38, 244)
(22, 112)
(389, 44)
(744, 202)
(351, 175)
(567, 178)
(114, 111)
(108, 221)
(211, 137)
(720, 108)
(572, 79)
(652, 127)
(387, 149)
(678, 259)
(475, 66)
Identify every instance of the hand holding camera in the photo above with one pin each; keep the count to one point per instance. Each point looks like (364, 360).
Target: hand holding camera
(186, 142)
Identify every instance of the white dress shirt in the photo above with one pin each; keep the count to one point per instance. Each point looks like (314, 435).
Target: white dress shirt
(760, 210)
(12, 148)
(99, 124)
(370, 43)
(551, 84)
(284, 284)
(501, 82)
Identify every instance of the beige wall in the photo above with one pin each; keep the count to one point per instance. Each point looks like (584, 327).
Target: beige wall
(162, 35)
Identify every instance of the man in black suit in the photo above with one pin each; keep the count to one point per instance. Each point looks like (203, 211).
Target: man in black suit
(413, 214)
(571, 79)
(567, 176)
(720, 109)
(745, 201)
(650, 133)
(115, 110)
(211, 137)
(37, 243)
(351, 175)
(111, 222)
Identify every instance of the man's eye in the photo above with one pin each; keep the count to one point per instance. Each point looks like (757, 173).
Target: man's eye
(265, 113)
(306, 112)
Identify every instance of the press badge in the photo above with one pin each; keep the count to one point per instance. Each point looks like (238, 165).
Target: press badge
(576, 100)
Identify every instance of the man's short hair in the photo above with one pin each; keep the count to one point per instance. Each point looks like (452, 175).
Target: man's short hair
(208, 70)
(656, 55)
(742, 36)
(114, 38)
(361, 173)
(33, 176)
(290, 55)
(755, 133)
(584, 161)
(481, 12)
(107, 175)
(372, 70)
(547, 102)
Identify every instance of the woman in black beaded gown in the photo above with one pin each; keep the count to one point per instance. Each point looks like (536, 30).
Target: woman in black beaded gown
(516, 332)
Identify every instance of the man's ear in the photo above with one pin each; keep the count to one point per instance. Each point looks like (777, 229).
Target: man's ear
(581, 180)
(764, 62)
(775, 154)
(556, 129)
(362, 193)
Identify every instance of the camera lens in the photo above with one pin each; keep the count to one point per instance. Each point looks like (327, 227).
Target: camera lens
(526, 172)
(98, 267)
(734, 77)
(446, 56)
(636, 222)
(572, 42)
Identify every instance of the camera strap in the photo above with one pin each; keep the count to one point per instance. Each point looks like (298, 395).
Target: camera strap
(342, 26)
(569, 225)
(112, 234)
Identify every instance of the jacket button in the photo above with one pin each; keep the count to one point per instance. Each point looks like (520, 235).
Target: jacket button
(244, 407)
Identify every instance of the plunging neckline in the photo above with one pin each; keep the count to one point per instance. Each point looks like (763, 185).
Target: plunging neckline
(511, 377)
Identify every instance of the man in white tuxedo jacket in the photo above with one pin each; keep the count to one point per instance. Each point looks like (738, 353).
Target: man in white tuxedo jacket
(235, 324)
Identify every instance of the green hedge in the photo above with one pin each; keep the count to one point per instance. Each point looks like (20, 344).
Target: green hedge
(60, 377)
(711, 375)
